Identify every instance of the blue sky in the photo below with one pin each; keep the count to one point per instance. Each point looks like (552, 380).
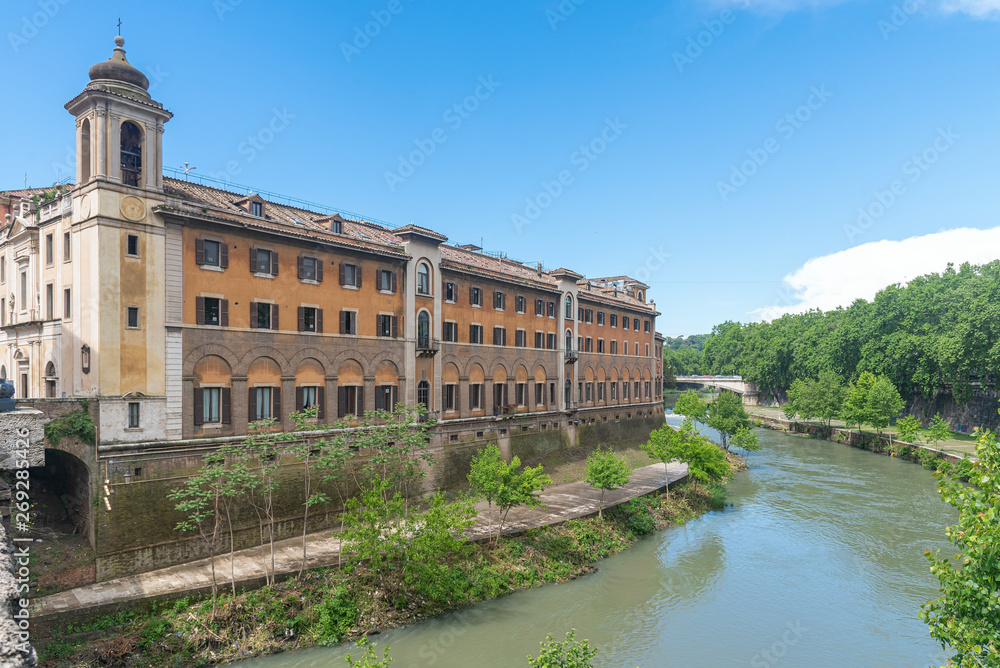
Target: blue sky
(719, 150)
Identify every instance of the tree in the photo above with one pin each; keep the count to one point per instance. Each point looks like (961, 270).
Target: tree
(690, 406)
(940, 430)
(883, 404)
(397, 441)
(828, 396)
(199, 498)
(789, 410)
(746, 439)
(727, 415)
(908, 428)
(855, 407)
(664, 445)
(569, 653)
(966, 618)
(370, 658)
(669, 379)
(306, 451)
(606, 471)
(261, 451)
(501, 484)
(706, 461)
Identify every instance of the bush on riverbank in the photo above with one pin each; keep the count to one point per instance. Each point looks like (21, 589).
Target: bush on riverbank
(328, 606)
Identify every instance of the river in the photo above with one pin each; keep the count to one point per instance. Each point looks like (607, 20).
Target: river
(817, 562)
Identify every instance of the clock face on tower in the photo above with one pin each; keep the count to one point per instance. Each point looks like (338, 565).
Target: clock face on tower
(133, 209)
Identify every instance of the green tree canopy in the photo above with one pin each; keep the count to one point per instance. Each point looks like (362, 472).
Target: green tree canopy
(727, 415)
(606, 471)
(503, 485)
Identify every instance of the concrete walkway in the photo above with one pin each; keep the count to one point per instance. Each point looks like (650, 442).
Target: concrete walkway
(562, 502)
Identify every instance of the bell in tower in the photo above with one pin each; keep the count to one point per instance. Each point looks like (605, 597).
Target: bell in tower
(119, 126)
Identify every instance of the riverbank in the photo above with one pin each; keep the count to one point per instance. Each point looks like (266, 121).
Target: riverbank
(327, 606)
(932, 458)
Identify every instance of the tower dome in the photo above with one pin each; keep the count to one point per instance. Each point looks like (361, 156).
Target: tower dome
(118, 70)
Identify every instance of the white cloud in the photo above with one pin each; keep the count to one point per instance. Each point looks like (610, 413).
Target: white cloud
(830, 281)
(981, 9)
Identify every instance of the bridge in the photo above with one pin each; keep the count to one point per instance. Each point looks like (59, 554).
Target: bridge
(732, 383)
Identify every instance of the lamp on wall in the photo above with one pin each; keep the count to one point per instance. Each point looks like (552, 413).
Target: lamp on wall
(85, 358)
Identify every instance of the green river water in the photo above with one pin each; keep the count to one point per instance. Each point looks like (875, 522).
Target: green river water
(818, 562)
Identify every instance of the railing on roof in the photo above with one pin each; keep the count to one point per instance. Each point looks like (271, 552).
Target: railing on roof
(277, 198)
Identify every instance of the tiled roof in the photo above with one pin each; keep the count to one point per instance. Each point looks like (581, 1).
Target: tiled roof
(29, 192)
(499, 268)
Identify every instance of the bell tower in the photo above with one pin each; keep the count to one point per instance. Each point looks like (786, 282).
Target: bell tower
(119, 127)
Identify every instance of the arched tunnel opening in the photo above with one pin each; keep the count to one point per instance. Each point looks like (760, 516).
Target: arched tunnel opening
(60, 495)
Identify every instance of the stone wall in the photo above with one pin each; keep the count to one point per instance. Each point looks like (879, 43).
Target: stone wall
(979, 411)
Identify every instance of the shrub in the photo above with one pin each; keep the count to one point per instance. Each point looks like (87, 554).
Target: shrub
(336, 616)
(717, 496)
(76, 423)
(638, 517)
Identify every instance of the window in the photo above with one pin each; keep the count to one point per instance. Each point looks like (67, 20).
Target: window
(520, 394)
(539, 307)
(589, 392)
(3, 316)
(589, 345)
(645, 326)
(476, 396)
(423, 279)
(614, 391)
(636, 349)
(614, 320)
(450, 392)
(646, 388)
(263, 262)
(132, 245)
(499, 336)
(450, 292)
(569, 340)
(131, 154)
(600, 391)
(49, 254)
(600, 318)
(635, 324)
(310, 319)
(210, 253)
(309, 397)
(614, 347)
(350, 275)
(539, 339)
(67, 247)
(423, 330)
(386, 325)
(624, 322)
(133, 415)
(624, 347)
(539, 394)
(550, 341)
(50, 307)
(579, 314)
(600, 346)
(263, 316)
(310, 269)
(625, 390)
(637, 395)
(265, 402)
(3, 269)
(552, 393)
(569, 307)
(475, 333)
(647, 350)
(588, 316)
(212, 405)
(385, 280)
(520, 304)
(348, 322)
(350, 400)
(67, 303)
(257, 209)
(475, 296)
(24, 290)
(550, 309)
(212, 311)
(132, 317)
(451, 331)
(520, 339)
(579, 343)
(499, 300)
(385, 397)
(424, 394)
(568, 393)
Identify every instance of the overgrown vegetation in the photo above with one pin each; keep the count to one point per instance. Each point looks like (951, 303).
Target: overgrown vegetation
(76, 423)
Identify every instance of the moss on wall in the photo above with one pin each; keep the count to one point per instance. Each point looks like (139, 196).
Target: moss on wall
(535, 443)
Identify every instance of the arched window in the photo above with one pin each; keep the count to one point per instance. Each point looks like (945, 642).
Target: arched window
(423, 330)
(639, 295)
(424, 394)
(85, 154)
(569, 307)
(569, 392)
(3, 372)
(50, 370)
(569, 340)
(131, 154)
(423, 279)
